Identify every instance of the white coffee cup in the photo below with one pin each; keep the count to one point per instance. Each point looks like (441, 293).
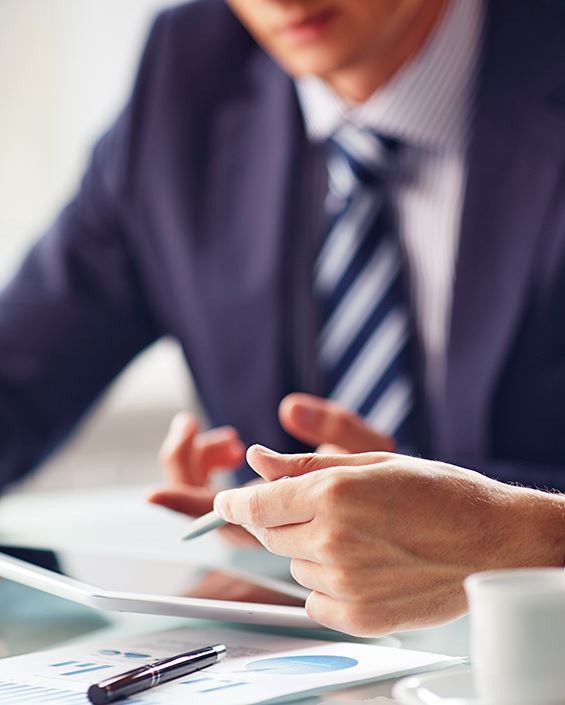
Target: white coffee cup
(518, 635)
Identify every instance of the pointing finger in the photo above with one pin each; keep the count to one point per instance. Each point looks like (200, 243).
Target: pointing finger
(217, 448)
(272, 465)
(268, 505)
(175, 452)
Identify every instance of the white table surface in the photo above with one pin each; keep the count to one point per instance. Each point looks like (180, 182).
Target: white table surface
(117, 520)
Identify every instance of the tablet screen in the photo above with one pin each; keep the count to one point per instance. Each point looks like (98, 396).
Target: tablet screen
(165, 577)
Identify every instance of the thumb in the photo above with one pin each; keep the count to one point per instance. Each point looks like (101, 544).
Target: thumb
(272, 465)
(318, 421)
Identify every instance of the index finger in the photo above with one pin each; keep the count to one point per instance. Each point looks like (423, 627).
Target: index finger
(272, 465)
(277, 503)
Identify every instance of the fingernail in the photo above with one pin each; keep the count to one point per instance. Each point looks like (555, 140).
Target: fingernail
(263, 449)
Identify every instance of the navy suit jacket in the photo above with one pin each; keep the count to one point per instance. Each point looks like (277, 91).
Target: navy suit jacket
(183, 226)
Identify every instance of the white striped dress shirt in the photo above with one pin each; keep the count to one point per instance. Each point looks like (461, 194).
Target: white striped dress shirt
(427, 106)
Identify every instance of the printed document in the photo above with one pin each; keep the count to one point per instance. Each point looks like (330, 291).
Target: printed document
(259, 667)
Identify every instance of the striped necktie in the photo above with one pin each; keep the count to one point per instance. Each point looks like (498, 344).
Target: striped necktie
(363, 345)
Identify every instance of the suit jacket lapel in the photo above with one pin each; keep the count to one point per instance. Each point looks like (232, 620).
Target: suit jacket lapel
(516, 153)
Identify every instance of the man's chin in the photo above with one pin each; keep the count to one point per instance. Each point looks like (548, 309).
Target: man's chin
(312, 61)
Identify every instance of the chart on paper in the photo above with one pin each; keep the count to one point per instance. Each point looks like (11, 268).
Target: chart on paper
(259, 666)
(75, 672)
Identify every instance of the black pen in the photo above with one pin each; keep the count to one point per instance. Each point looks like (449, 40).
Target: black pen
(150, 675)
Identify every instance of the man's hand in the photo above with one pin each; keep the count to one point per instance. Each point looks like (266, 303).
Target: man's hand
(188, 457)
(384, 541)
(327, 426)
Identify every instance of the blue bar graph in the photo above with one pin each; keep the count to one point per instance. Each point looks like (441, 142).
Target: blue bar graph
(127, 654)
(12, 693)
(21, 693)
(78, 671)
(221, 687)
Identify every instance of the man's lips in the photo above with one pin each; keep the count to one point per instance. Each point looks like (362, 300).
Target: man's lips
(308, 28)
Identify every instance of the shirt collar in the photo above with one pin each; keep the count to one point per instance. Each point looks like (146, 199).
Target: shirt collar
(426, 103)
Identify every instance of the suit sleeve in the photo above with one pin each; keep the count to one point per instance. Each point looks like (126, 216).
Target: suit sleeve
(75, 313)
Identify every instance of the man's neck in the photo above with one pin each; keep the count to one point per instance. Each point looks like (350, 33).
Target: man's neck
(356, 83)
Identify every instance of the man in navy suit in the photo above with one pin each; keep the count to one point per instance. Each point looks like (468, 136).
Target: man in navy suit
(203, 215)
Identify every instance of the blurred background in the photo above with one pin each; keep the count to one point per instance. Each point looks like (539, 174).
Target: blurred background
(66, 68)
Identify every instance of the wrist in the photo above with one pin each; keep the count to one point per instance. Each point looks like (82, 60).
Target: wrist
(543, 528)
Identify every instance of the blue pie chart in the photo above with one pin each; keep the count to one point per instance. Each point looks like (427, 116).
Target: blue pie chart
(301, 665)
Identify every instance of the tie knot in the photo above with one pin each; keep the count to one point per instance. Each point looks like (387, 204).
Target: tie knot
(357, 158)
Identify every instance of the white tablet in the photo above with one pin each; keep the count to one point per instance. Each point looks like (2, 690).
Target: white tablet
(177, 584)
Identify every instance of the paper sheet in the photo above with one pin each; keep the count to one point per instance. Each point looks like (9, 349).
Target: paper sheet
(258, 667)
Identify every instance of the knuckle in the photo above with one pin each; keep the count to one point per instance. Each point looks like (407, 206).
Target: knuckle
(303, 574)
(334, 543)
(312, 606)
(363, 622)
(384, 458)
(223, 505)
(267, 538)
(332, 614)
(255, 509)
(343, 582)
(336, 489)
(295, 570)
(311, 462)
(357, 621)
(324, 550)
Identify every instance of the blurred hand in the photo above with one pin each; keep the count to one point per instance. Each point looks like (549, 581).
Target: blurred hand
(329, 427)
(383, 540)
(189, 457)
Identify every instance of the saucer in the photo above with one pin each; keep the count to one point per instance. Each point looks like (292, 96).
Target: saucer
(452, 687)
